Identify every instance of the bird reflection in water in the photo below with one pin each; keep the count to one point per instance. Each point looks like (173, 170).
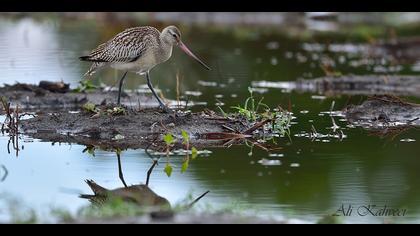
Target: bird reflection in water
(139, 194)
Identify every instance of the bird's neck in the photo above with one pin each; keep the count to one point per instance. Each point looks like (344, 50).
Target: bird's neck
(165, 51)
(164, 40)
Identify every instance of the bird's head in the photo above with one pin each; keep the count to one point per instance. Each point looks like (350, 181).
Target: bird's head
(172, 35)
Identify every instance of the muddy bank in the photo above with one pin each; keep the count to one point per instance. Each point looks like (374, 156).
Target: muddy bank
(383, 112)
(34, 97)
(132, 129)
(59, 114)
(352, 85)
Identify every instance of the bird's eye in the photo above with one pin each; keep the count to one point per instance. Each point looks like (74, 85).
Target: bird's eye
(174, 35)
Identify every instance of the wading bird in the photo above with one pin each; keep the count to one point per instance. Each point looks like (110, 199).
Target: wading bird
(138, 50)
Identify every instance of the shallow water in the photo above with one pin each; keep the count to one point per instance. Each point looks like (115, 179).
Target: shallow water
(308, 178)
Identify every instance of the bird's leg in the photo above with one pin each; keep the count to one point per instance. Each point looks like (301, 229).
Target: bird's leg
(120, 88)
(149, 172)
(120, 173)
(161, 104)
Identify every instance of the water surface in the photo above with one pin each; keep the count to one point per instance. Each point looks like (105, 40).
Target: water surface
(311, 179)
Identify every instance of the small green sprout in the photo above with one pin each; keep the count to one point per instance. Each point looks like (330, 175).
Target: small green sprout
(116, 111)
(169, 139)
(85, 86)
(251, 108)
(185, 137)
(90, 107)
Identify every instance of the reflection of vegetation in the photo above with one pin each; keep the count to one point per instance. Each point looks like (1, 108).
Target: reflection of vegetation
(329, 219)
(390, 132)
(5, 173)
(17, 211)
(11, 124)
(90, 149)
(118, 210)
(169, 140)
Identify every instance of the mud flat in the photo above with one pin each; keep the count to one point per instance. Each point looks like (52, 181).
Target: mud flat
(352, 85)
(385, 116)
(58, 114)
(59, 96)
(385, 109)
(134, 129)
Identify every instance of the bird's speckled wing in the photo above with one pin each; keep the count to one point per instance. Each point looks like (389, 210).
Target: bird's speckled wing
(126, 46)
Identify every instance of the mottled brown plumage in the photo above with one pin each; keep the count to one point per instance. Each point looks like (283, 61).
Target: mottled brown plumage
(140, 195)
(137, 50)
(125, 47)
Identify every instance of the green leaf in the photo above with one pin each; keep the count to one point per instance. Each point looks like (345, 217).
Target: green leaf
(116, 111)
(89, 107)
(250, 91)
(85, 85)
(185, 166)
(222, 111)
(246, 103)
(168, 138)
(168, 169)
(194, 153)
(185, 136)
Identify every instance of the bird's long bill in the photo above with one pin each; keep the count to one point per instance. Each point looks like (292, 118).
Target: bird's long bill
(189, 53)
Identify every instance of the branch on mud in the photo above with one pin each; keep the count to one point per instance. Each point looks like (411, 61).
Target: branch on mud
(256, 126)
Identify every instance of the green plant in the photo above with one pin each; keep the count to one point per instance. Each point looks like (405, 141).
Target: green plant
(251, 107)
(112, 208)
(194, 151)
(169, 140)
(281, 123)
(279, 119)
(85, 86)
(222, 111)
(116, 111)
(90, 107)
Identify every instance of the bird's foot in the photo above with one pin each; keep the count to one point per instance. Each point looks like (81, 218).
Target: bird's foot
(166, 109)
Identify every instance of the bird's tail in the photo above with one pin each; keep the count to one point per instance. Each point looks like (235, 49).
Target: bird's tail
(85, 58)
(97, 189)
(86, 196)
(96, 66)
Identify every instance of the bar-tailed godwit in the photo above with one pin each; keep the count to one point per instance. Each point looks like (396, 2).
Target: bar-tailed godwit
(138, 50)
